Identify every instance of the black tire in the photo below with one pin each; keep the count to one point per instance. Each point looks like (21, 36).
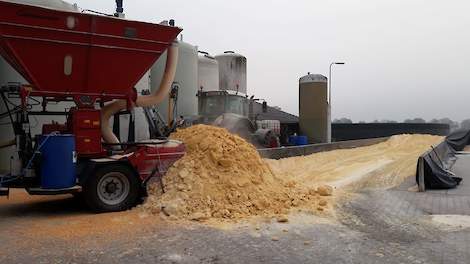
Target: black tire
(78, 195)
(112, 188)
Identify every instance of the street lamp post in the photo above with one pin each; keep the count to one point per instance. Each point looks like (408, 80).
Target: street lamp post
(329, 80)
(329, 101)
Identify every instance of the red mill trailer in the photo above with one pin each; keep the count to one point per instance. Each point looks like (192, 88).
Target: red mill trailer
(93, 61)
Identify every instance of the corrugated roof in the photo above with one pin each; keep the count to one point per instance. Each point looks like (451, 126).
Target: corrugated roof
(274, 114)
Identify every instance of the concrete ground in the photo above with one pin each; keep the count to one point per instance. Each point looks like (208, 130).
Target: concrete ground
(375, 226)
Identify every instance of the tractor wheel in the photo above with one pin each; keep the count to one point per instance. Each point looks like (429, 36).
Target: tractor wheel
(112, 188)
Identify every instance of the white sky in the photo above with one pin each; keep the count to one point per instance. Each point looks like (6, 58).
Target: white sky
(405, 58)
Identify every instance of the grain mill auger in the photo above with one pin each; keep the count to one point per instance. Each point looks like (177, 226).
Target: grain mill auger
(93, 61)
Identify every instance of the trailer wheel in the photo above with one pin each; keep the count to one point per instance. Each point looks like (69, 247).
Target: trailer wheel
(112, 188)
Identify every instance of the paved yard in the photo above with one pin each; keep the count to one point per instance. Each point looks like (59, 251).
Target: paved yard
(377, 226)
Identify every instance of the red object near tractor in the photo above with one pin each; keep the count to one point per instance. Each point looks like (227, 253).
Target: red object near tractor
(94, 61)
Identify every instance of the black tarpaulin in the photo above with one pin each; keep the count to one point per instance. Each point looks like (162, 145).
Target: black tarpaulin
(459, 139)
(436, 168)
(436, 177)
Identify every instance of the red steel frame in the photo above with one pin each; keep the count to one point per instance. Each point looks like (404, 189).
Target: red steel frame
(146, 158)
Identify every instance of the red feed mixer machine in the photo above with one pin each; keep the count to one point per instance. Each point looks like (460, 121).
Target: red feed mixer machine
(93, 61)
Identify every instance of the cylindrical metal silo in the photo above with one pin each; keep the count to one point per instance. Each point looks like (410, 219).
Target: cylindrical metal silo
(186, 77)
(207, 73)
(314, 108)
(232, 72)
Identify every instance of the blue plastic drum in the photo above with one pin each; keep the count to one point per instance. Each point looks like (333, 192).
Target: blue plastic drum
(292, 140)
(301, 141)
(58, 161)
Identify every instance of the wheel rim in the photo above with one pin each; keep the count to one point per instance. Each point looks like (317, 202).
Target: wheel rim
(113, 188)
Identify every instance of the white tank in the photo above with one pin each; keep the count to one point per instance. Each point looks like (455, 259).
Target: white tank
(186, 77)
(232, 71)
(208, 73)
(52, 4)
(7, 74)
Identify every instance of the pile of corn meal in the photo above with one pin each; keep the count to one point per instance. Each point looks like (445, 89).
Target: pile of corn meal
(223, 176)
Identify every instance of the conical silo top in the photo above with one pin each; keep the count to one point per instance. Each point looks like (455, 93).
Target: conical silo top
(313, 78)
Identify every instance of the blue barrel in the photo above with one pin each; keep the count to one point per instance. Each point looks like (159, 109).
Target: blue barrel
(301, 141)
(292, 140)
(58, 160)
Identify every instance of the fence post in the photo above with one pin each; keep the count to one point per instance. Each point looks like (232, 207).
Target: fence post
(421, 186)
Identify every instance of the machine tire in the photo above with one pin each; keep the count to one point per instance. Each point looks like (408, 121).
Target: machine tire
(112, 188)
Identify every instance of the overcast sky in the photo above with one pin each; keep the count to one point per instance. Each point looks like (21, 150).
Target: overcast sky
(404, 58)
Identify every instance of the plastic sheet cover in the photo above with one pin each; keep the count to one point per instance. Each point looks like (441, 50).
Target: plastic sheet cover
(459, 139)
(439, 161)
